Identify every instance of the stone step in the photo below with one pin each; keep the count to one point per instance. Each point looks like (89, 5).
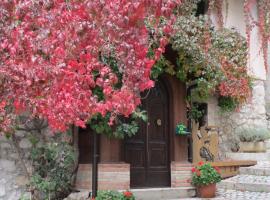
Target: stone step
(249, 156)
(235, 195)
(267, 142)
(250, 183)
(146, 194)
(261, 169)
(163, 193)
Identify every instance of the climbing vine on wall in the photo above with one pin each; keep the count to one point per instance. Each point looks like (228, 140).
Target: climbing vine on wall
(262, 20)
(213, 59)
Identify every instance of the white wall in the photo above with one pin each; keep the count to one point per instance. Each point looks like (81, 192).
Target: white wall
(234, 18)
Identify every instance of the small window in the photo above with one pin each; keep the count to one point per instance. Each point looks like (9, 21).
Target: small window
(202, 8)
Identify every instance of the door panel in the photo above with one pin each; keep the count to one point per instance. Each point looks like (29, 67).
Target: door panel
(148, 151)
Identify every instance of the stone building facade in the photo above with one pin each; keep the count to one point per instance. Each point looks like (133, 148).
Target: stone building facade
(13, 179)
(256, 112)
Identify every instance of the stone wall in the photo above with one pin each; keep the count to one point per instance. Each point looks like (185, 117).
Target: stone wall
(252, 114)
(12, 177)
(267, 92)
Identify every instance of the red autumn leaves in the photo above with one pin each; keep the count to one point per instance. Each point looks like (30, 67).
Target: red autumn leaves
(236, 84)
(50, 56)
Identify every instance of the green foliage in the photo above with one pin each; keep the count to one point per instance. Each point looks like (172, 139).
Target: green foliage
(215, 60)
(227, 104)
(205, 174)
(24, 197)
(123, 126)
(53, 163)
(112, 62)
(200, 63)
(158, 68)
(253, 134)
(114, 195)
(195, 113)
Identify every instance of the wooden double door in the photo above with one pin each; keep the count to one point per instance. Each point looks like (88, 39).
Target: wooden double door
(148, 151)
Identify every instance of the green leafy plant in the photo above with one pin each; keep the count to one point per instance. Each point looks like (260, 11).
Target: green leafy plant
(227, 104)
(25, 197)
(215, 60)
(205, 174)
(123, 126)
(114, 195)
(253, 134)
(195, 113)
(53, 164)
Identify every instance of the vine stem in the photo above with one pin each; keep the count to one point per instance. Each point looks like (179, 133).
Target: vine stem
(20, 154)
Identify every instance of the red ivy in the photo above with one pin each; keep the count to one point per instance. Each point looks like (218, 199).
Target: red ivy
(236, 83)
(50, 56)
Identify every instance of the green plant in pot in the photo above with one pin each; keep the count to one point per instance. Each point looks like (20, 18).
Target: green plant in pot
(205, 177)
(253, 139)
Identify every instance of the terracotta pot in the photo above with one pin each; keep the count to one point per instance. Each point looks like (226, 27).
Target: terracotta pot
(206, 191)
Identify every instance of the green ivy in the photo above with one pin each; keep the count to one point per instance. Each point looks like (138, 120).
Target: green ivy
(123, 127)
(196, 65)
(227, 104)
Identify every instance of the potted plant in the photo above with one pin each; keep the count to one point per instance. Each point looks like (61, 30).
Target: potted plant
(253, 139)
(205, 177)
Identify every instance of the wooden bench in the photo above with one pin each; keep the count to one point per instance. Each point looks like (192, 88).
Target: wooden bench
(230, 168)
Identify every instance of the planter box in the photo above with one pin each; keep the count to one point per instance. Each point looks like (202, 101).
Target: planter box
(252, 147)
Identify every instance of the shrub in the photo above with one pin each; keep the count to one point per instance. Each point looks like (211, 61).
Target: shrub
(53, 165)
(227, 104)
(205, 174)
(114, 195)
(253, 134)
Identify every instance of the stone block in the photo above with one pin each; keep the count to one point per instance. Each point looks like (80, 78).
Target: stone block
(21, 181)
(6, 145)
(20, 133)
(163, 193)
(2, 190)
(25, 144)
(7, 165)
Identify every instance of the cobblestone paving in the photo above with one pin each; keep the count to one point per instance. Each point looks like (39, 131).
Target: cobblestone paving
(262, 164)
(237, 195)
(243, 195)
(251, 179)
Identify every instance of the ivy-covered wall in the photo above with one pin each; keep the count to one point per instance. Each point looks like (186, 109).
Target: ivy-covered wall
(253, 114)
(267, 92)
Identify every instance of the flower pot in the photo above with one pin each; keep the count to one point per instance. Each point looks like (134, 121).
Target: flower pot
(252, 147)
(206, 191)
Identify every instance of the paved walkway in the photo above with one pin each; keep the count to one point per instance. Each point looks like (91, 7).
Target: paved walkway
(237, 195)
(253, 183)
